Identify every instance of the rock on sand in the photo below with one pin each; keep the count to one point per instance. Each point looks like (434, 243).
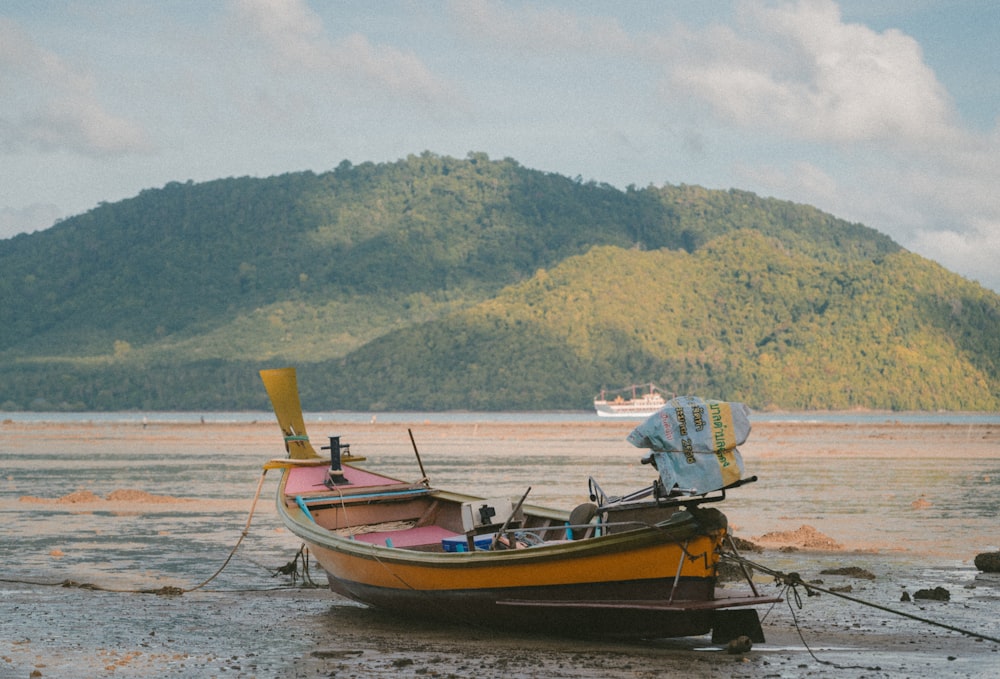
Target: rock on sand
(988, 562)
(804, 537)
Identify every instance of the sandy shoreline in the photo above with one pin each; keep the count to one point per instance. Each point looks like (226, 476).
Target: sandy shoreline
(59, 632)
(598, 444)
(766, 439)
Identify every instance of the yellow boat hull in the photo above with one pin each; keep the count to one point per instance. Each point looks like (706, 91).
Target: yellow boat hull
(653, 581)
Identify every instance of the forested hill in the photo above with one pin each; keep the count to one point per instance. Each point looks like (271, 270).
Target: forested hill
(442, 283)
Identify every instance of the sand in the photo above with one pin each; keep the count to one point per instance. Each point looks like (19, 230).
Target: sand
(49, 631)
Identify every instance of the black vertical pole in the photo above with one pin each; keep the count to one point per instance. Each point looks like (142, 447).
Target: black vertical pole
(335, 476)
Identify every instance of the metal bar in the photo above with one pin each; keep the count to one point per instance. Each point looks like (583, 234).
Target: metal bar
(680, 566)
(503, 529)
(743, 566)
(347, 497)
(423, 474)
(612, 524)
(305, 510)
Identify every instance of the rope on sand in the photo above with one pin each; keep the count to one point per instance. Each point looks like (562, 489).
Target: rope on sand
(793, 580)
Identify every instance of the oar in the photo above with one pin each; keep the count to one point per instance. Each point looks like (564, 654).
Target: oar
(283, 390)
(423, 475)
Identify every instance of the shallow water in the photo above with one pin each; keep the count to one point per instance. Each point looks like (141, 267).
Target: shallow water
(913, 504)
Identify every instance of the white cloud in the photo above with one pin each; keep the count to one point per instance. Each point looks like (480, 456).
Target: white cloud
(295, 36)
(797, 68)
(803, 178)
(975, 252)
(48, 105)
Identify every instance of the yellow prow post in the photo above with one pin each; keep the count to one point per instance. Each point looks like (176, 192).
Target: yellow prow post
(283, 390)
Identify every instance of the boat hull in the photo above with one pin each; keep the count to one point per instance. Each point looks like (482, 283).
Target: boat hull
(608, 410)
(637, 406)
(654, 581)
(539, 594)
(561, 610)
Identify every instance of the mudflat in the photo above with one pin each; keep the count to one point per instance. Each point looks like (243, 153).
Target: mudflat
(161, 503)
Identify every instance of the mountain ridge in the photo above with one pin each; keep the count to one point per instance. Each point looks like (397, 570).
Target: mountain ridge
(438, 283)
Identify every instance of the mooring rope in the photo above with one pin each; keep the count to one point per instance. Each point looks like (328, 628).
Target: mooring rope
(166, 590)
(246, 531)
(802, 638)
(793, 580)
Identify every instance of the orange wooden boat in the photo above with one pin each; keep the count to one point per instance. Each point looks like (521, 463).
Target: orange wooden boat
(643, 566)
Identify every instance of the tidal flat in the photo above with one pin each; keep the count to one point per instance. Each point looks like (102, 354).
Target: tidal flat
(96, 512)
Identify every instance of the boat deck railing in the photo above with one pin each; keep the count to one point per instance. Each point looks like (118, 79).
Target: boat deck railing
(596, 529)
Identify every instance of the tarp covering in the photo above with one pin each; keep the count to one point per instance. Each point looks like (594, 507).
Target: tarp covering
(693, 443)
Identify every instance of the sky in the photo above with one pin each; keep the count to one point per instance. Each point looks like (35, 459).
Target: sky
(883, 112)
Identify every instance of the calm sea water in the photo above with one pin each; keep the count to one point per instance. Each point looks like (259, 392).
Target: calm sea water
(914, 521)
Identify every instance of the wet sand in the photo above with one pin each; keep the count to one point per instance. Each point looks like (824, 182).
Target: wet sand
(244, 627)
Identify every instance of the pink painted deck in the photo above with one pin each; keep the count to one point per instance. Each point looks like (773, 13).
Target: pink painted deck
(410, 537)
(303, 480)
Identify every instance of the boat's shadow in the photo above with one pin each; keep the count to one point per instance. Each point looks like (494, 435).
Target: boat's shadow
(388, 631)
(363, 641)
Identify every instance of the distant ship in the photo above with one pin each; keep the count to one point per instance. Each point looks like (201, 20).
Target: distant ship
(637, 406)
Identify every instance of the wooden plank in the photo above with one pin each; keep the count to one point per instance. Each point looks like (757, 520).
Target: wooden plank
(649, 605)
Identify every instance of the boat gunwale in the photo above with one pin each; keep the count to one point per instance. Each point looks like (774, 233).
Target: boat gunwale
(640, 538)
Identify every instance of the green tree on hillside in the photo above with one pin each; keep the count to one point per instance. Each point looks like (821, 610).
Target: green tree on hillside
(436, 282)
